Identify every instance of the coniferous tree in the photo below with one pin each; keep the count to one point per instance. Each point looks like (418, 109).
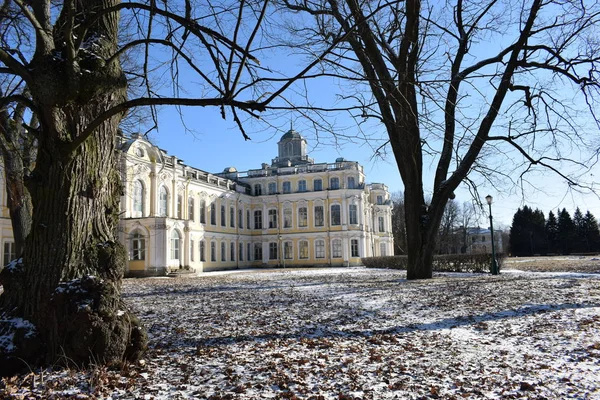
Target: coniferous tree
(552, 233)
(538, 237)
(592, 232)
(580, 244)
(566, 232)
(515, 238)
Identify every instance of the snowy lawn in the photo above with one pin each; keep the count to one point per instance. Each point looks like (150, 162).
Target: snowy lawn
(352, 334)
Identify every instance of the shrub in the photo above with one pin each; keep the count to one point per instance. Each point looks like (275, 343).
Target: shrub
(441, 263)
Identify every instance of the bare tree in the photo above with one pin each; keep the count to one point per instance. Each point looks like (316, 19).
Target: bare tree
(398, 225)
(448, 227)
(61, 300)
(482, 91)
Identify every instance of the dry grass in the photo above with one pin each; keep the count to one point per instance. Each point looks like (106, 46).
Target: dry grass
(585, 264)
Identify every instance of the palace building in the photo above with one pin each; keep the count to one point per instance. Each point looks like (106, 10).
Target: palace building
(290, 213)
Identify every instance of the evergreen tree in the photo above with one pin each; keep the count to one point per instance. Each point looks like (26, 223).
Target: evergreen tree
(516, 234)
(566, 232)
(537, 227)
(580, 244)
(527, 233)
(592, 232)
(552, 233)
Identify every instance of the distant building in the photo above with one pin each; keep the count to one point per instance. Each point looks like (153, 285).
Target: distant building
(293, 212)
(479, 241)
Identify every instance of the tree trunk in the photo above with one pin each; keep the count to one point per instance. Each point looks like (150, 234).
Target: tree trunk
(62, 301)
(18, 199)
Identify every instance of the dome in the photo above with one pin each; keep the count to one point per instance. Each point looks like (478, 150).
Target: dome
(230, 169)
(291, 134)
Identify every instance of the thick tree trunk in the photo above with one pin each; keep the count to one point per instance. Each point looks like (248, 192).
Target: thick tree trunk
(62, 301)
(68, 283)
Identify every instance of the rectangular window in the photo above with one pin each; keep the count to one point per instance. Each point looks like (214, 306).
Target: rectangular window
(247, 219)
(191, 250)
(354, 248)
(303, 249)
(273, 251)
(320, 249)
(302, 186)
(336, 248)
(336, 218)
(249, 251)
(318, 185)
(351, 182)
(334, 183)
(257, 251)
(381, 225)
(202, 251)
(379, 200)
(232, 251)
(319, 218)
(382, 249)
(213, 214)
(232, 217)
(257, 189)
(287, 187)
(288, 250)
(241, 252)
(241, 219)
(272, 188)
(258, 219)
(302, 217)
(287, 218)
(353, 214)
(223, 252)
(213, 251)
(223, 216)
(272, 219)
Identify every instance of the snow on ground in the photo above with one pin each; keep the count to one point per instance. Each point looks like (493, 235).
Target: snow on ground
(352, 334)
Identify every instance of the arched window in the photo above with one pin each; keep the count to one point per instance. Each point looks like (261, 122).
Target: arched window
(138, 246)
(202, 211)
(319, 249)
(191, 208)
(287, 217)
(213, 214)
(175, 245)
(163, 201)
(336, 248)
(202, 250)
(138, 198)
(179, 206)
(336, 217)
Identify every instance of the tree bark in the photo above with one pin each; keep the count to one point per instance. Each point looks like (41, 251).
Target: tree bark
(62, 301)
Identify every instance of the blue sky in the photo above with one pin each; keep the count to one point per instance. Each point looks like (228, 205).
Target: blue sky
(209, 143)
(212, 144)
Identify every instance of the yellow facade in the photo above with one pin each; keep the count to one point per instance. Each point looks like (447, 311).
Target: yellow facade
(291, 213)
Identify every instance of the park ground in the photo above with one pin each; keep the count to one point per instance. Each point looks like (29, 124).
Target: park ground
(532, 332)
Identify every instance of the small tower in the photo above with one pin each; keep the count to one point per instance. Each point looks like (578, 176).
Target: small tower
(292, 150)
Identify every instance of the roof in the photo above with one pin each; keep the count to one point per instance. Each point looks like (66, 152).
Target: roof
(291, 134)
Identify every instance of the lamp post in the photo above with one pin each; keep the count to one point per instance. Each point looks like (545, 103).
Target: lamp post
(494, 266)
